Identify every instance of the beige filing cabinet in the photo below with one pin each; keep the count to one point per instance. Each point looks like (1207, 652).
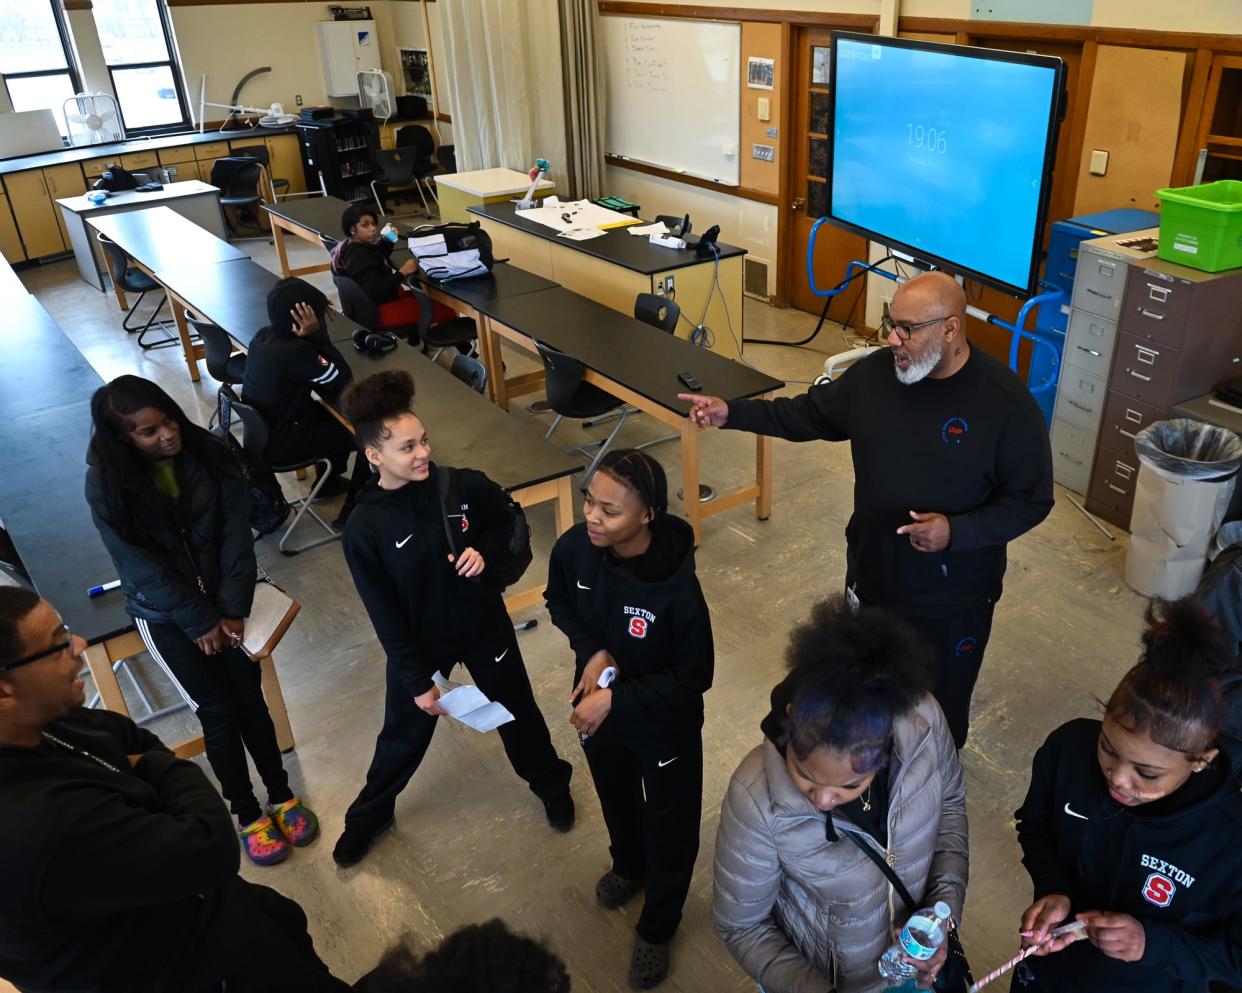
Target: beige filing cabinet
(10, 240)
(1090, 338)
(458, 190)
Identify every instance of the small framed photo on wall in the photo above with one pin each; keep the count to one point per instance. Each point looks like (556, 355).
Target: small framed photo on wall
(760, 73)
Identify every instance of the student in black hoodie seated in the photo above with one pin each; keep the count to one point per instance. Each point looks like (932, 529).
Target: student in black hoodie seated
(478, 958)
(432, 609)
(365, 256)
(173, 510)
(287, 361)
(622, 587)
(1131, 825)
(120, 861)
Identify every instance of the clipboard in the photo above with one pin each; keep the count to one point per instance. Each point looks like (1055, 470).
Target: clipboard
(270, 616)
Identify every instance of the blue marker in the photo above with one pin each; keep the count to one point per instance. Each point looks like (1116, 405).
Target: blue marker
(95, 591)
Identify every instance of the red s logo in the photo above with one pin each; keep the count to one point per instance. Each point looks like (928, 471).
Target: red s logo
(638, 627)
(465, 523)
(1159, 890)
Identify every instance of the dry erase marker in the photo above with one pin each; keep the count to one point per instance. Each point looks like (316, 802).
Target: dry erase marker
(95, 591)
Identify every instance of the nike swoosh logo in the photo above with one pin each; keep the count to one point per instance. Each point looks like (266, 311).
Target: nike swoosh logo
(1081, 817)
(401, 544)
(668, 762)
(502, 655)
(581, 587)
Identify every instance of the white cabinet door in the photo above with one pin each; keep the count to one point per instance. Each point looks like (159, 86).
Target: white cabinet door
(346, 47)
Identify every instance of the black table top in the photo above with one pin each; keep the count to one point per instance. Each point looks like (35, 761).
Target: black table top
(617, 246)
(50, 523)
(160, 238)
(116, 149)
(321, 214)
(634, 354)
(466, 428)
(484, 293)
(232, 295)
(40, 369)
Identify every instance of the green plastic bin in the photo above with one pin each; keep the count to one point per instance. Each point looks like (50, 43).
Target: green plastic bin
(1201, 226)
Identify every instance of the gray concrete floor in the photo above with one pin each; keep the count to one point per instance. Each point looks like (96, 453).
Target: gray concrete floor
(471, 842)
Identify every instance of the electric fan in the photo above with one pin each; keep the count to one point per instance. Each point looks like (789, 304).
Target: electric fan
(92, 119)
(375, 91)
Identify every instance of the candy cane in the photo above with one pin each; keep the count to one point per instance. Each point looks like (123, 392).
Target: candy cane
(1077, 928)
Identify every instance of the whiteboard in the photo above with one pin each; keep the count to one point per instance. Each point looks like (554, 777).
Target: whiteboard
(674, 94)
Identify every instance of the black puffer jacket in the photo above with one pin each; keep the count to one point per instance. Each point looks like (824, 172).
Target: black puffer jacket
(189, 562)
(370, 267)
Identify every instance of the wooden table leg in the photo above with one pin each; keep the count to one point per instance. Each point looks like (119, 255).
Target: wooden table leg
(276, 704)
(99, 662)
(763, 476)
(496, 364)
(690, 476)
(121, 300)
(278, 236)
(564, 511)
(183, 332)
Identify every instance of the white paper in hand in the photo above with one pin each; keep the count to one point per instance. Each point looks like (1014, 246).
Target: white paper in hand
(467, 704)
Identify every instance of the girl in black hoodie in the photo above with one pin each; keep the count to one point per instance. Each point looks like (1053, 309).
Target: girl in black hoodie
(432, 608)
(1131, 825)
(172, 508)
(622, 587)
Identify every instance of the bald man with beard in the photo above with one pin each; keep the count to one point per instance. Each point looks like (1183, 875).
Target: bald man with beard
(951, 462)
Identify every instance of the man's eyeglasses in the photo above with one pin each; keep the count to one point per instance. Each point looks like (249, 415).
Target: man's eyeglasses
(904, 331)
(63, 632)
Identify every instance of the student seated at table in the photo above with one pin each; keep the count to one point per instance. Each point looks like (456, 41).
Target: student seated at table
(1131, 826)
(365, 256)
(173, 509)
(478, 958)
(120, 861)
(288, 360)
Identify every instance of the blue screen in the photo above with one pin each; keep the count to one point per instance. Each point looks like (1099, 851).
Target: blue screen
(943, 153)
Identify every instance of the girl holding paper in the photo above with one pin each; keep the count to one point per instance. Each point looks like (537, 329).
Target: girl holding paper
(1131, 825)
(432, 608)
(622, 587)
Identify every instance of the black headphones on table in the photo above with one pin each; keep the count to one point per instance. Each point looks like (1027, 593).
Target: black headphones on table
(366, 340)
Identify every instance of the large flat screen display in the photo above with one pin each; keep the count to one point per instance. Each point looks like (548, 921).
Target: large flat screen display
(945, 152)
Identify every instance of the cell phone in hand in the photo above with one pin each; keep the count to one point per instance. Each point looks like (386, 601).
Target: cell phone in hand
(689, 381)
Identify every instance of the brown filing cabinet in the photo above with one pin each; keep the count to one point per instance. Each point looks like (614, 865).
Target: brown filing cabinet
(1179, 335)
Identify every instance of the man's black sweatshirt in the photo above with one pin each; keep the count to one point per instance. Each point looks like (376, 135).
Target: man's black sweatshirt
(650, 615)
(973, 447)
(115, 879)
(1174, 864)
(424, 614)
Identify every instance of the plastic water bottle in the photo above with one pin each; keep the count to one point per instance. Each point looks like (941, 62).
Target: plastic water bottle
(920, 939)
(389, 232)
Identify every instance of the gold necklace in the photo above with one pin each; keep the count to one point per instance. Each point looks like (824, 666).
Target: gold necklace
(866, 801)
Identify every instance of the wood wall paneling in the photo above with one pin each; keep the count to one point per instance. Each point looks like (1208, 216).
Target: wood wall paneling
(1136, 104)
(760, 41)
(1199, 68)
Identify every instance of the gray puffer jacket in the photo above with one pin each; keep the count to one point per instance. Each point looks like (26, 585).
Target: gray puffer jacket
(803, 913)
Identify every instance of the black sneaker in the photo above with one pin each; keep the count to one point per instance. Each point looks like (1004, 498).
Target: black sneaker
(560, 811)
(613, 890)
(648, 964)
(333, 488)
(355, 842)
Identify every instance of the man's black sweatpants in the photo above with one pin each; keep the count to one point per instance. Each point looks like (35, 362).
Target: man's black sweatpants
(651, 793)
(497, 669)
(957, 637)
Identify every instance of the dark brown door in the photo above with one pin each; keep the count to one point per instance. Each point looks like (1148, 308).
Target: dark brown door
(834, 248)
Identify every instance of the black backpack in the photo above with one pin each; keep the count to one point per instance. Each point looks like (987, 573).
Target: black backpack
(517, 555)
(460, 237)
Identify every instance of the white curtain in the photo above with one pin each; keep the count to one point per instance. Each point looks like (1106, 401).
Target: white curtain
(582, 55)
(506, 97)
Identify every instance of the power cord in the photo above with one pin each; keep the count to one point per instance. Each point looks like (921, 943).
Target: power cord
(823, 314)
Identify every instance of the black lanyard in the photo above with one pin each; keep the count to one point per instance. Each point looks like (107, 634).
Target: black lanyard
(49, 737)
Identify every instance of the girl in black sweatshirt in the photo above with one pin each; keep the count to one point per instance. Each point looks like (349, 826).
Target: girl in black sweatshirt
(432, 609)
(622, 587)
(172, 508)
(1131, 825)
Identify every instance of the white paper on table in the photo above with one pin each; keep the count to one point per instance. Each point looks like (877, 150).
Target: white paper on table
(467, 704)
(581, 234)
(655, 227)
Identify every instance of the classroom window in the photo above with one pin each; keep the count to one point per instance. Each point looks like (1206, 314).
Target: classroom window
(138, 51)
(35, 63)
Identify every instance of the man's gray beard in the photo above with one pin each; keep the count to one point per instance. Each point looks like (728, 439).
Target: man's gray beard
(919, 368)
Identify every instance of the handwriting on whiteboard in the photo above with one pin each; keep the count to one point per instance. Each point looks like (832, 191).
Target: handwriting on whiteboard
(646, 68)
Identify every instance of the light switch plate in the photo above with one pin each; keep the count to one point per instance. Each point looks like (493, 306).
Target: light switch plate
(765, 153)
(1099, 162)
(765, 109)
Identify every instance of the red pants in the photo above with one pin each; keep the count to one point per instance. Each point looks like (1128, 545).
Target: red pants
(404, 311)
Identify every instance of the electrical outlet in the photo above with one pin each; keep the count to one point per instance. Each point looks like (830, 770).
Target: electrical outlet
(666, 286)
(297, 98)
